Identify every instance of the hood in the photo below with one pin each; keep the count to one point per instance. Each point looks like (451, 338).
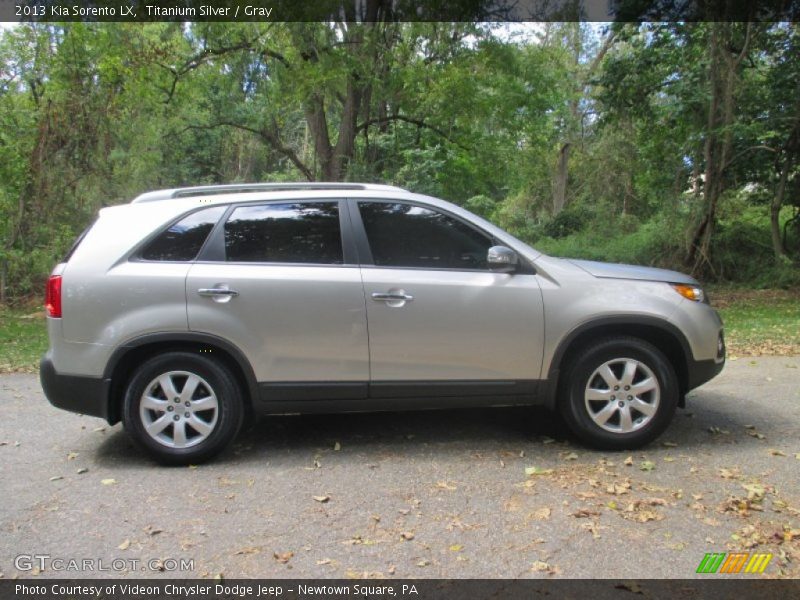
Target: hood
(618, 271)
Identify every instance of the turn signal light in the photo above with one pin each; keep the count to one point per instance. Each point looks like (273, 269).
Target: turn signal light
(690, 292)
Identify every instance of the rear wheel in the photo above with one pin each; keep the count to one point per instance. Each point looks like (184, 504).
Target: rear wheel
(182, 408)
(620, 393)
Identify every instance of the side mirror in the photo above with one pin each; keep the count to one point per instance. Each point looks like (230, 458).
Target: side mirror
(502, 259)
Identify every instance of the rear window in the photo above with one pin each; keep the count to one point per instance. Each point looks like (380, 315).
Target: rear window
(183, 240)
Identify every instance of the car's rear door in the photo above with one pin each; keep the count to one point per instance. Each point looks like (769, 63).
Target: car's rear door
(279, 281)
(440, 322)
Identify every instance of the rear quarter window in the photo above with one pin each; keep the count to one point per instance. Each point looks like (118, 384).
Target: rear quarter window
(183, 240)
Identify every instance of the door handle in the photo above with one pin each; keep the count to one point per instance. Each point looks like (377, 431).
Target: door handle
(209, 292)
(391, 297)
(222, 291)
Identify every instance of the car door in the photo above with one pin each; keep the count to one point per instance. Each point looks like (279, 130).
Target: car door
(277, 281)
(440, 322)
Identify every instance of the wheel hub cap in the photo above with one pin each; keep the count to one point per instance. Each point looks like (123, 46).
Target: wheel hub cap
(622, 413)
(191, 423)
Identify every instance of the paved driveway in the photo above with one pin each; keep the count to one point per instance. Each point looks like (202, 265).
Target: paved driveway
(424, 494)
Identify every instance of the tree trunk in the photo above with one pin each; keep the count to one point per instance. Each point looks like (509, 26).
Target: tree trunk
(723, 70)
(775, 212)
(560, 183)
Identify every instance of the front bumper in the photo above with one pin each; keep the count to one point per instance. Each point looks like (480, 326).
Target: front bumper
(701, 371)
(84, 395)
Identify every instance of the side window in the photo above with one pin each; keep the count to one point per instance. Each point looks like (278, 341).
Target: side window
(296, 232)
(403, 235)
(184, 239)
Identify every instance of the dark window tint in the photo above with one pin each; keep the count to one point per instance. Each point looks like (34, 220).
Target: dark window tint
(301, 232)
(184, 239)
(402, 235)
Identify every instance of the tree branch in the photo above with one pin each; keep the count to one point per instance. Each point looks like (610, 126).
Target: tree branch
(412, 121)
(271, 137)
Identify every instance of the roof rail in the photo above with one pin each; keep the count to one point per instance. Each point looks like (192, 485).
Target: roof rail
(243, 188)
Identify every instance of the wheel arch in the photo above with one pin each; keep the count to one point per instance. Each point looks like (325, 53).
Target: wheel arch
(662, 334)
(134, 352)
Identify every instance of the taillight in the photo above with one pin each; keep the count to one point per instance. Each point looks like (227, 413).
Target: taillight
(52, 297)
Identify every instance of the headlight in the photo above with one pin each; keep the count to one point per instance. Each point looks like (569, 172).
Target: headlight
(690, 292)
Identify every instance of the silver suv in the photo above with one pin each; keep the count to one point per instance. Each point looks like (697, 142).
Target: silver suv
(189, 311)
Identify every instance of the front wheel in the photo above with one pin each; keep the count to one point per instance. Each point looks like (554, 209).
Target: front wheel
(182, 408)
(620, 393)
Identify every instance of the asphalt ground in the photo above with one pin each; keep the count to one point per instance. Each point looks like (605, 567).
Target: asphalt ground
(447, 494)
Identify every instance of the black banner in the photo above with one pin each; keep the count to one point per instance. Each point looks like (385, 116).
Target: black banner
(398, 10)
(420, 589)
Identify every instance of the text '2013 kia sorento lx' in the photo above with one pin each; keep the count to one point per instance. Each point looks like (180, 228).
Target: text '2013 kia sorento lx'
(190, 310)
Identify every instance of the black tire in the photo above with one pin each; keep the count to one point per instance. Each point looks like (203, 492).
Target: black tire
(215, 381)
(576, 409)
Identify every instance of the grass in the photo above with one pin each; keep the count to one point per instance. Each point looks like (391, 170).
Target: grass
(757, 323)
(23, 339)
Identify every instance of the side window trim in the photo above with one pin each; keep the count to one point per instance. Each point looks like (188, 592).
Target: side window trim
(360, 232)
(214, 249)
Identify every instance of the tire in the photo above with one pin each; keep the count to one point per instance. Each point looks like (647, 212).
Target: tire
(599, 409)
(182, 408)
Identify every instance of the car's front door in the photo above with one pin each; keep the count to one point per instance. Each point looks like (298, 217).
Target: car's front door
(440, 322)
(276, 281)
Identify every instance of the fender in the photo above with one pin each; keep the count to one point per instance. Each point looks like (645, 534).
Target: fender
(609, 323)
(185, 337)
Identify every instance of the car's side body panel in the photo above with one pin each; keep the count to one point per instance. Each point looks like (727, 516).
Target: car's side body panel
(310, 337)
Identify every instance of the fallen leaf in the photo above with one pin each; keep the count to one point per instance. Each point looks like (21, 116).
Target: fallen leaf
(529, 471)
(72, 456)
(755, 434)
(755, 491)
(125, 545)
(56, 477)
(729, 473)
(443, 485)
(324, 561)
(108, 481)
(150, 530)
(647, 465)
(248, 550)
(670, 444)
(617, 489)
(456, 548)
(571, 456)
(541, 514)
(407, 535)
(283, 557)
(322, 499)
(82, 470)
(540, 566)
(585, 513)
(423, 563)
(775, 452)
(337, 446)
(547, 440)
(628, 461)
